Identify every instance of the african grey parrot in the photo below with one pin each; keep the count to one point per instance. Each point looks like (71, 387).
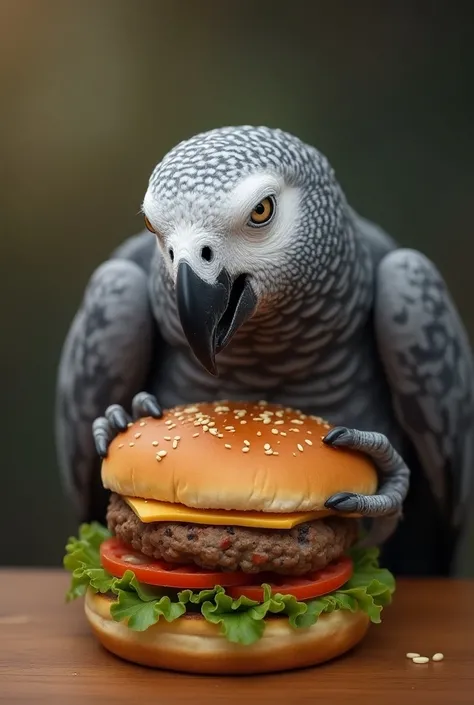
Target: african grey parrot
(258, 281)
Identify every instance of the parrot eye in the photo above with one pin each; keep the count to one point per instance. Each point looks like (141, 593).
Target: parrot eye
(263, 212)
(149, 226)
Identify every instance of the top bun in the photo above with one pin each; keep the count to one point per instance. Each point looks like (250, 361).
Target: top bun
(234, 455)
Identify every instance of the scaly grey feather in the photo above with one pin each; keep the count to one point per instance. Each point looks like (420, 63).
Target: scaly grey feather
(428, 361)
(106, 356)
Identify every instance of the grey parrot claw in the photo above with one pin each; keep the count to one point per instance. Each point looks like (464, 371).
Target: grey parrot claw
(117, 417)
(101, 447)
(337, 436)
(116, 420)
(342, 502)
(102, 433)
(144, 404)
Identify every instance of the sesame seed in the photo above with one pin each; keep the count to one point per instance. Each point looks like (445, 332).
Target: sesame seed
(220, 435)
(282, 433)
(137, 435)
(197, 423)
(300, 447)
(263, 402)
(437, 657)
(154, 443)
(259, 433)
(267, 446)
(246, 443)
(129, 424)
(162, 453)
(294, 454)
(211, 423)
(120, 445)
(131, 445)
(214, 431)
(326, 425)
(309, 432)
(142, 423)
(227, 445)
(275, 453)
(279, 422)
(275, 431)
(172, 425)
(177, 438)
(245, 449)
(412, 654)
(229, 428)
(267, 420)
(167, 438)
(191, 409)
(269, 452)
(195, 435)
(158, 458)
(308, 442)
(205, 428)
(175, 444)
(279, 413)
(295, 430)
(420, 659)
(168, 421)
(297, 421)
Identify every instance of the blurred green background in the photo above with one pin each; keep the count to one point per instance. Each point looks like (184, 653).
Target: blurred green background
(93, 93)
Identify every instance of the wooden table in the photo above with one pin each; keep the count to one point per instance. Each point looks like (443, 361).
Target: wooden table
(47, 655)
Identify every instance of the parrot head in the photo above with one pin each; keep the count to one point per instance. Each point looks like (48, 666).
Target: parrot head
(247, 220)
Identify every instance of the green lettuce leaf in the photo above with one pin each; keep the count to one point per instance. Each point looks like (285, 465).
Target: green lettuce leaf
(241, 621)
(82, 559)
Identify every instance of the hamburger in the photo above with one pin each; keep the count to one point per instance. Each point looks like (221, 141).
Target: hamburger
(219, 555)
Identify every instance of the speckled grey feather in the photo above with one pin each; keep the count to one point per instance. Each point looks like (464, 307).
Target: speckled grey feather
(347, 326)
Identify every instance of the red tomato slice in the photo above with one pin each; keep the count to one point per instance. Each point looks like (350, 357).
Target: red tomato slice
(117, 557)
(315, 584)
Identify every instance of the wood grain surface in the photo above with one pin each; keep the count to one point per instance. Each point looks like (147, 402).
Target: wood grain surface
(47, 655)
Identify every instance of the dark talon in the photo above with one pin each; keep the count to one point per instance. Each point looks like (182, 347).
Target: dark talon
(117, 417)
(101, 446)
(153, 408)
(333, 435)
(102, 434)
(145, 404)
(342, 501)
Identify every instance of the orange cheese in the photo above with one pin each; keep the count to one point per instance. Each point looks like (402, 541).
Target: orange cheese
(149, 510)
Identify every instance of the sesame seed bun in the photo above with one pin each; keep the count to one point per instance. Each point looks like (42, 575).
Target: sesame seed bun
(235, 456)
(191, 644)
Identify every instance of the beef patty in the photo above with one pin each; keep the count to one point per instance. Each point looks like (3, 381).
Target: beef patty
(308, 546)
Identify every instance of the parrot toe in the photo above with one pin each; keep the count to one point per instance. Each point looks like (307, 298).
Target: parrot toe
(343, 502)
(117, 417)
(338, 436)
(145, 404)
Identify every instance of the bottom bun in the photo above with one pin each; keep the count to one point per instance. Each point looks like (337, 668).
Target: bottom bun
(193, 645)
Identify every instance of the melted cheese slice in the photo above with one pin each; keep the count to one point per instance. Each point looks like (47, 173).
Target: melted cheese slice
(149, 510)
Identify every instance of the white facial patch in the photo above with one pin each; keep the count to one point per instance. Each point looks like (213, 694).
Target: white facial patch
(254, 248)
(235, 243)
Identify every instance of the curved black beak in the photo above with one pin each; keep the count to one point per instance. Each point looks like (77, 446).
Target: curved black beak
(210, 314)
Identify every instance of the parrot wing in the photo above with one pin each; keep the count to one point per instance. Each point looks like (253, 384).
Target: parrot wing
(428, 362)
(106, 359)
